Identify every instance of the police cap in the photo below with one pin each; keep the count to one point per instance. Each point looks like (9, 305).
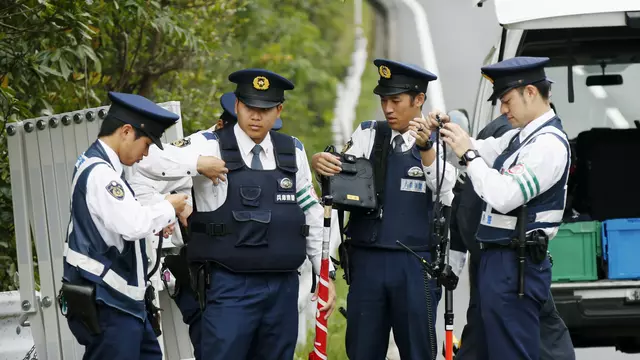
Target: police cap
(397, 77)
(260, 88)
(228, 102)
(141, 113)
(513, 73)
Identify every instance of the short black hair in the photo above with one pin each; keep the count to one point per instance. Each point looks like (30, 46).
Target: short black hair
(544, 88)
(111, 124)
(414, 94)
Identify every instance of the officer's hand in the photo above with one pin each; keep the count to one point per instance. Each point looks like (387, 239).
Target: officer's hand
(326, 164)
(213, 168)
(184, 215)
(331, 302)
(419, 129)
(433, 121)
(456, 138)
(178, 201)
(457, 259)
(168, 231)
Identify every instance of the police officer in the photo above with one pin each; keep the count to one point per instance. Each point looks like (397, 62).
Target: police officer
(388, 287)
(105, 268)
(150, 191)
(528, 165)
(229, 117)
(555, 341)
(251, 231)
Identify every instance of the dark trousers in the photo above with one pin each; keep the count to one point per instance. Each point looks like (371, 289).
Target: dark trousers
(187, 302)
(250, 316)
(123, 337)
(388, 291)
(555, 341)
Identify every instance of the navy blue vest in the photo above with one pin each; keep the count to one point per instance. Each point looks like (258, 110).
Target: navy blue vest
(260, 227)
(407, 211)
(88, 259)
(544, 210)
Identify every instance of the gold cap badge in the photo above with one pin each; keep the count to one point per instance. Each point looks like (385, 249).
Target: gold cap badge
(261, 83)
(384, 72)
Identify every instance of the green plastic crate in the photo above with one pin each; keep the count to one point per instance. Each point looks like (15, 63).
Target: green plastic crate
(574, 252)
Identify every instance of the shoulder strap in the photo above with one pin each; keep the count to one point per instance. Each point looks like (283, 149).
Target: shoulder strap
(285, 151)
(380, 152)
(229, 149)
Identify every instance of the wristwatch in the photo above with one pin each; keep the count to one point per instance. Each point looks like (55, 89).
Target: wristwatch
(332, 275)
(468, 156)
(426, 147)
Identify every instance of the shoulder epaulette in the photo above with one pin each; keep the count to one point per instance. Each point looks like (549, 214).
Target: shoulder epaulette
(370, 124)
(298, 143)
(210, 135)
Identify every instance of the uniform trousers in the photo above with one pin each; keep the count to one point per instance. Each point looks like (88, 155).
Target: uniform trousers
(250, 316)
(555, 341)
(123, 337)
(388, 290)
(511, 326)
(187, 302)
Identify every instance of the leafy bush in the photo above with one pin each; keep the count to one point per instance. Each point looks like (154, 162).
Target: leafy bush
(64, 55)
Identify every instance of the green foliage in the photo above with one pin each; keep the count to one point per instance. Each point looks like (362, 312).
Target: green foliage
(368, 102)
(337, 326)
(64, 55)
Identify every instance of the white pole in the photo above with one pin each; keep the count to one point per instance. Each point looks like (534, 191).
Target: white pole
(357, 13)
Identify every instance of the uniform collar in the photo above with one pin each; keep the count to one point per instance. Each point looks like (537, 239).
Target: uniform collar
(408, 139)
(245, 143)
(113, 157)
(535, 124)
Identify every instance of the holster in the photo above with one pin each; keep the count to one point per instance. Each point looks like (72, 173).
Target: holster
(153, 312)
(179, 267)
(79, 302)
(343, 253)
(200, 275)
(537, 245)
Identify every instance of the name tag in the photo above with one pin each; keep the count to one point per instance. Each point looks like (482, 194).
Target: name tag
(285, 198)
(419, 186)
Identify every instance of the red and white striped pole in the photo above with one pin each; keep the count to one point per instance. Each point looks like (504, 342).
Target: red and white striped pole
(320, 343)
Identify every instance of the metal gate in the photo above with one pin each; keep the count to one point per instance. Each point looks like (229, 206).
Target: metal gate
(42, 153)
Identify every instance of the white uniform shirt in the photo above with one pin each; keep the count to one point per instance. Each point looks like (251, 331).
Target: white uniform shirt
(175, 163)
(125, 219)
(362, 144)
(544, 161)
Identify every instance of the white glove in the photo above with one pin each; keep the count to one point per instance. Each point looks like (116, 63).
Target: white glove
(457, 259)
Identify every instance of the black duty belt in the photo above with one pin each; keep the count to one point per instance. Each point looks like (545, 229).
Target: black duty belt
(532, 239)
(219, 229)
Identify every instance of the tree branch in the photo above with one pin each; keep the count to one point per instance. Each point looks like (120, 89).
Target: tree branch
(137, 51)
(123, 60)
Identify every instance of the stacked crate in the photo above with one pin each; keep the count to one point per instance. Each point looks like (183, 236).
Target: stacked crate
(581, 249)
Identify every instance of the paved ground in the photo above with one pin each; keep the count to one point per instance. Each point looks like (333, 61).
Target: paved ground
(461, 35)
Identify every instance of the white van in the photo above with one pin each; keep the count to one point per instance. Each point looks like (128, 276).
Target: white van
(585, 39)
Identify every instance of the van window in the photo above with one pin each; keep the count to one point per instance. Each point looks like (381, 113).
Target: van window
(587, 49)
(614, 106)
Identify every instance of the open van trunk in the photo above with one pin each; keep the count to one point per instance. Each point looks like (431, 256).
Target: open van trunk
(596, 92)
(594, 49)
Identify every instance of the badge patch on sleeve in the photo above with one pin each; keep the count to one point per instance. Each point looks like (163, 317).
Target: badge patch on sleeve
(116, 190)
(182, 142)
(419, 186)
(517, 169)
